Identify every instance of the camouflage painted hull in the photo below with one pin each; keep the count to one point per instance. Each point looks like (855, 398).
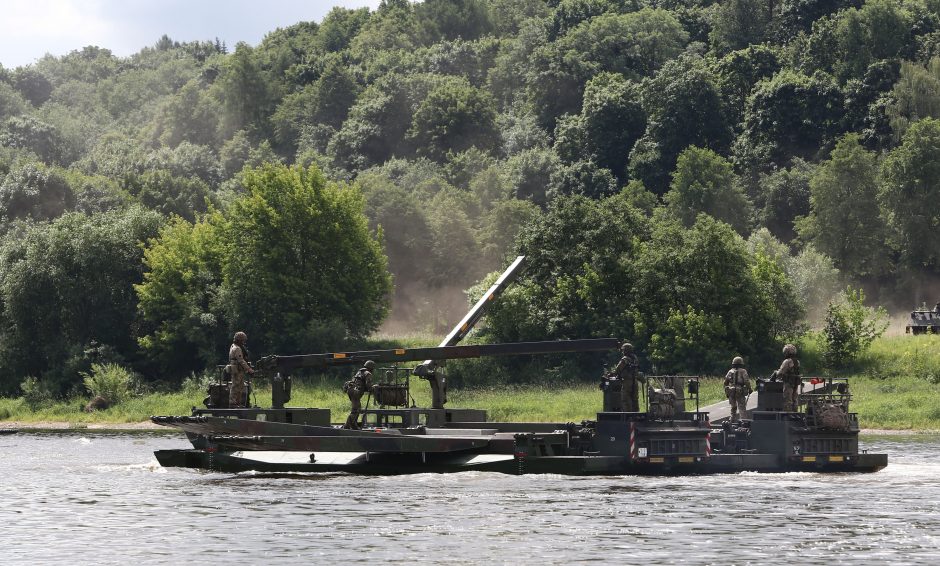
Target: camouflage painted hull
(617, 443)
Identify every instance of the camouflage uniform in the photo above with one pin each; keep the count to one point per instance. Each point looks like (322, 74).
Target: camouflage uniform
(737, 388)
(238, 367)
(355, 388)
(626, 372)
(789, 373)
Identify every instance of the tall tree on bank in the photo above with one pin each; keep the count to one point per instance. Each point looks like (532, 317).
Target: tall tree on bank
(292, 262)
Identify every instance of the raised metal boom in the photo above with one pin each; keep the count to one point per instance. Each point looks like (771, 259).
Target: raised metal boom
(332, 359)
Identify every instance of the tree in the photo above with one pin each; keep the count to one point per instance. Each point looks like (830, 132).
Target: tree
(909, 194)
(688, 280)
(244, 92)
(684, 109)
(635, 45)
(32, 191)
(569, 13)
(26, 132)
(189, 115)
(583, 177)
(11, 102)
(451, 19)
(377, 124)
(393, 27)
(704, 183)
(340, 26)
(790, 115)
(799, 15)
(326, 102)
(180, 298)
(786, 196)
(851, 327)
(577, 245)
(302, 270)
(845, 222)
(737, 72)
(613, 120)
(530, 174)
(170, 195)
(847, 42)
(916, 95)
(67, 287)
(454, 117)
(32, 84)
(292, 263)
(740, 23)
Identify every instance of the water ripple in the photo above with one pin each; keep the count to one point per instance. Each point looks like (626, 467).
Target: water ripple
(65, 496)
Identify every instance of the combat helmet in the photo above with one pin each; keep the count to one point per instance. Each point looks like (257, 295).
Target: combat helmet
(789, 351)
(240, 337)
(737, 362)
(369, 365)
(626, 347)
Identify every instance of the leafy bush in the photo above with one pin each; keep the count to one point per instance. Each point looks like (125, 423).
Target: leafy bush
(35, 393)
(851, 327)
(198, 383)
(110, 381)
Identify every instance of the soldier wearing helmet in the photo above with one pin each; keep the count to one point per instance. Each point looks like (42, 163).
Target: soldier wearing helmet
(789, 374)
(355, 388)
(238, 367)
(626, 372)
(737, 388)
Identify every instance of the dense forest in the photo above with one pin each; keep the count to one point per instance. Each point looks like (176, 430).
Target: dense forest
(701, 177)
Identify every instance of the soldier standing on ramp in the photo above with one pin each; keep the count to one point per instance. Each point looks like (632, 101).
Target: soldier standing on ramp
(626, 372)
(789, 373)
(737, 388)
(238, 368)
(355, 388)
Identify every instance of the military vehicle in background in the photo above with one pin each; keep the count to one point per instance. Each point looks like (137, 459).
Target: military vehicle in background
(398, 437)
(924, 321)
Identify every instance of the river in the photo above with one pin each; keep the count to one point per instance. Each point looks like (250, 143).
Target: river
(93, 498)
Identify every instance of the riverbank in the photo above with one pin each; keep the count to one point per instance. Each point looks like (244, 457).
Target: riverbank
(895, 386)
(903, 403)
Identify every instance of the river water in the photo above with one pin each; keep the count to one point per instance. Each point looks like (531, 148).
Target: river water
(103, 499)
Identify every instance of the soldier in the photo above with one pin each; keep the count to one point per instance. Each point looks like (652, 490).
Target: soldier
(238, 367)
(355, 388)
(626, 372)
(737, 388)
(789, 373)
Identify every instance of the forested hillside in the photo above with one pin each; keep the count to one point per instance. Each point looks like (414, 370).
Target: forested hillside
(701, 177)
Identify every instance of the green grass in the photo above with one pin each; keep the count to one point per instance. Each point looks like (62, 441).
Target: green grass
(895, 385)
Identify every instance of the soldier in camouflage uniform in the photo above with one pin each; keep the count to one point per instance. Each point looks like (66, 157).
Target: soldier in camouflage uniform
(355, 388)
(789, 373)
(737, 388)
(238, 367)
(626, 372)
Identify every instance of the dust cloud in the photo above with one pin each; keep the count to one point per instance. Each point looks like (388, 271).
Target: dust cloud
(418, 308)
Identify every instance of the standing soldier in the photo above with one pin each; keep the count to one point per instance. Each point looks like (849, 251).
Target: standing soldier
(626, 372)
(238, 368)
(354, 388)
(737, 388)
(789, 373)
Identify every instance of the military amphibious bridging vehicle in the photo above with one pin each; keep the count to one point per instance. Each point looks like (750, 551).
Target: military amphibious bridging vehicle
(822, 436)
(398, 438)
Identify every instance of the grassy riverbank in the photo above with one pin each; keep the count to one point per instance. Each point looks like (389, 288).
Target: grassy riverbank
(896, 385)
